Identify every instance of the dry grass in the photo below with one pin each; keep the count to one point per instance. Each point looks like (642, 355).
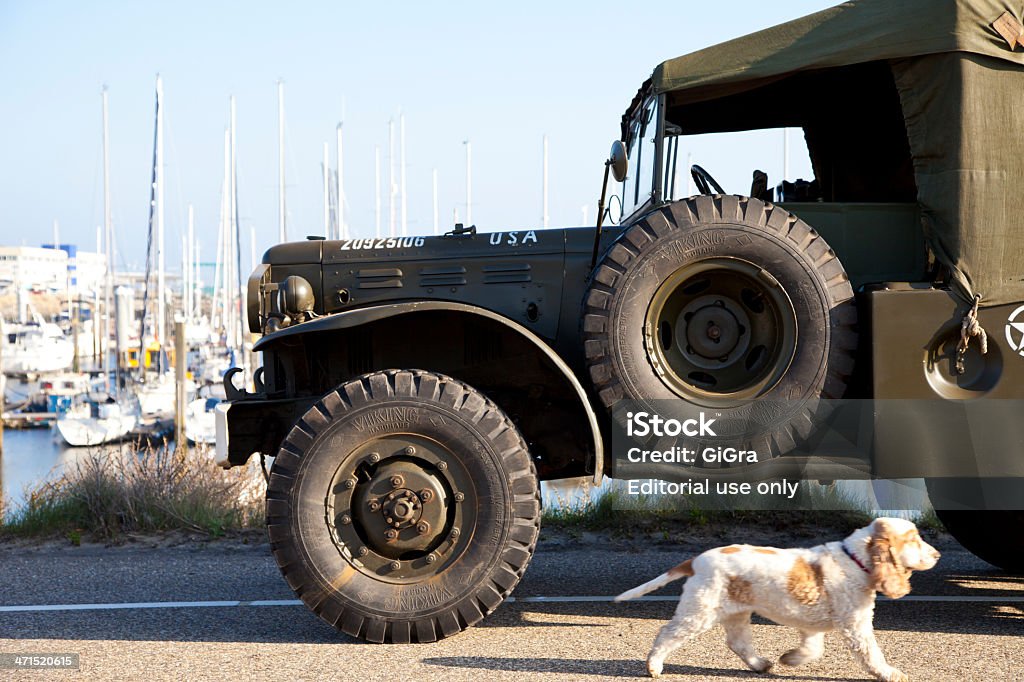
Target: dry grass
(108, 494)
(612, 510)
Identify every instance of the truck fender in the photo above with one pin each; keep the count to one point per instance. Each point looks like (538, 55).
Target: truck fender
(360, 316)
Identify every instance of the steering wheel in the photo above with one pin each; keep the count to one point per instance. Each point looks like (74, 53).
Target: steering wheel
(703, 179)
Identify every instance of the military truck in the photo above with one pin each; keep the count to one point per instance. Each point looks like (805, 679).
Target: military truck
(415, 390)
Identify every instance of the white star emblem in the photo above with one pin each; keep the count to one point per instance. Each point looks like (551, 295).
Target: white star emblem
(1015, 330)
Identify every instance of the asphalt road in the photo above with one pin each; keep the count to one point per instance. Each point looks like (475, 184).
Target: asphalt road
(930, 640)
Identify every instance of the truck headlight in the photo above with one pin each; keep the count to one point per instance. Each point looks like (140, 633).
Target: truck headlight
(295, 298)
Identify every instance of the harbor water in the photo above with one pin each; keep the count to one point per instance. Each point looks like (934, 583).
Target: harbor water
(31, 457)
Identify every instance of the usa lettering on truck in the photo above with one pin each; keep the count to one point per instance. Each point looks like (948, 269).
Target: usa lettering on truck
(513, 238)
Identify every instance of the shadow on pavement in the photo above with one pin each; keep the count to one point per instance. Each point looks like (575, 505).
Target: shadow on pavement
(971, 618)
(597, 667)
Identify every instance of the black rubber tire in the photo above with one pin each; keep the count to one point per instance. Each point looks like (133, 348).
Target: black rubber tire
(502, 541)
(994, 536)
(724, 226)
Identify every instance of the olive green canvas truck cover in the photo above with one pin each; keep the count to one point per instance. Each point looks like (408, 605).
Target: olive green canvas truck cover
(959, 73)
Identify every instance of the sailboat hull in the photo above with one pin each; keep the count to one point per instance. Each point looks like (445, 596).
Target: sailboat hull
(86, 431)
(200, 424)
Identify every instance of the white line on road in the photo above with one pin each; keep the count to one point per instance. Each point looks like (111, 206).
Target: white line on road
(523, 600)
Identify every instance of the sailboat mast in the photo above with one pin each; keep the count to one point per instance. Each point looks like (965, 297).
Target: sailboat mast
(186, 266)
(108, 293)
(282, 227)
(233, 223)
(160, 285)
(236, 304)
(218, 310)
(401, 134)
(342, 226)
(153, 197)
(197, 281)
(391, 178)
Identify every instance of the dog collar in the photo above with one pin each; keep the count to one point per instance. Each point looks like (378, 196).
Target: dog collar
(855, 559)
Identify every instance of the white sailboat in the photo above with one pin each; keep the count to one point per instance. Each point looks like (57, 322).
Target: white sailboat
(99, 418)
(35, 347)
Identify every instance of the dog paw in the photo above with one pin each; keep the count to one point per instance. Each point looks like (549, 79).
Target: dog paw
(654, 668)
(792, 657)
(760, 665)
(894, 675)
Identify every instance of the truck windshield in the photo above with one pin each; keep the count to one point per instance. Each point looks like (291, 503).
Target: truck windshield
(639, 181)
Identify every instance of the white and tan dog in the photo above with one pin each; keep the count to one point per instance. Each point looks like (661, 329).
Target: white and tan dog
(828, 587)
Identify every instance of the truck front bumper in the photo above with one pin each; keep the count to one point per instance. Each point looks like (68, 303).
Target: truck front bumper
(221, 419)
(254, 425)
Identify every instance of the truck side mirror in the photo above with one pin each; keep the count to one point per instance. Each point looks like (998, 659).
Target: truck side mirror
(618, 161)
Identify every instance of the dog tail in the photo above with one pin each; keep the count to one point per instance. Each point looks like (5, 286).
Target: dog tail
(683, 570)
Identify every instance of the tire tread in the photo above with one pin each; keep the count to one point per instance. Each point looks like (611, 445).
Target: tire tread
(525, 505)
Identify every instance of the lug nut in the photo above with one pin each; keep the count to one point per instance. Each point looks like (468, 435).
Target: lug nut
(442, 465)
(456, 532)
(390, 520)
(397, 481)
(374, 458)
(391, 533)
(395, 565)
(349, 483)
(346, 519)
(410, 450)
(374, 505)
(426, 495)
(459, 497)
(423, 528)
(363, 551)
(431, 558)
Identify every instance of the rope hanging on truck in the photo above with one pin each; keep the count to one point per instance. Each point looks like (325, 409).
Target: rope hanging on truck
(968, 328)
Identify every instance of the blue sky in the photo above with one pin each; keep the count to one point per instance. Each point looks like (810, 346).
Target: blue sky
(500, 76)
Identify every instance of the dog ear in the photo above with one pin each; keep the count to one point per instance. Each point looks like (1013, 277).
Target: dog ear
(890, 577)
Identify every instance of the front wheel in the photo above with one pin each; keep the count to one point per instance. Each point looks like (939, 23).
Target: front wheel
(403, 507)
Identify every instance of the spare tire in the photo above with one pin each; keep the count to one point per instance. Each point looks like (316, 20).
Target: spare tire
(729, 304)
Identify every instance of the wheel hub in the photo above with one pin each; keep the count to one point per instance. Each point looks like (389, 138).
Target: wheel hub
(401, 508)
(396, 507)
(720, 330)
(713, 329)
